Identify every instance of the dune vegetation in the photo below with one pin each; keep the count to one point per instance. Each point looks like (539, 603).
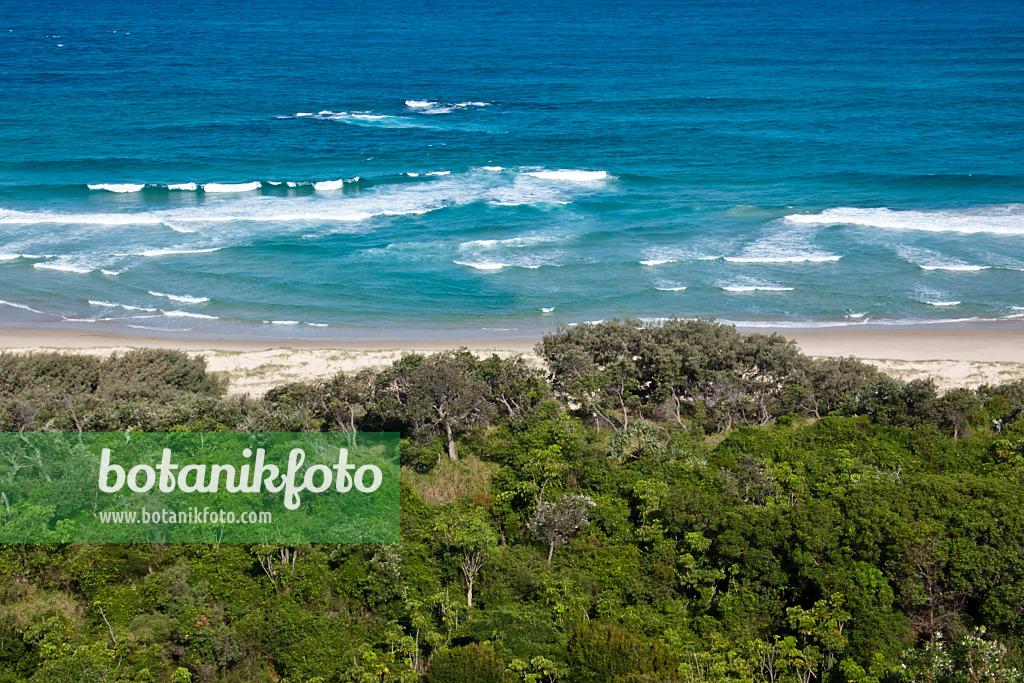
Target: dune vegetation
(663, 502)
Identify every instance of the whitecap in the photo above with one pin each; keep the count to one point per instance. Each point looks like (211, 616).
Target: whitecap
(232, 187)
(964, 267)
(183, 298)
(186, 314)
(328, 185)
(1007, 219)
(21, 306)
(117, 187)
(941, 303)
(439, 173)
(657, 261)
(282, 322)
(755, 288)
(172, 251)
(184, 187)
(526, 241)
(63, 267)
(365, 118)
(927, 259)
(108, 304)
(547, 310)
(570, 175)
(797, 258)
(483, 265)
(671, 289)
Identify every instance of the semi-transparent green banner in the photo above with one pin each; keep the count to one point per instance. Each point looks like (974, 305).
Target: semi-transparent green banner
(216, 487)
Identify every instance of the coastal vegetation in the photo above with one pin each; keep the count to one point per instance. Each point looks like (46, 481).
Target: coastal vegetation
(667, 501)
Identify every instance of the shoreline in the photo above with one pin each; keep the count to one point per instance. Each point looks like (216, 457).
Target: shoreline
(952, 356)
(982, 344)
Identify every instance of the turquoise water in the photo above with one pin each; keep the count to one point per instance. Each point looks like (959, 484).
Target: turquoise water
(468, 169)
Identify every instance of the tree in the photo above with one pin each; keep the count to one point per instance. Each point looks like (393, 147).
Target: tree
(596, 367)
(515, 387)
(554, 523)
(467, 538)
(440, 393)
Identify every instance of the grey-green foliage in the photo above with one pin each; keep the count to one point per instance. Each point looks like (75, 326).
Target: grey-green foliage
(63, 391)
(623, 369)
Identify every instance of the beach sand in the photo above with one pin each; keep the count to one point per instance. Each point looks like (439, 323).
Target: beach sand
(952, 356)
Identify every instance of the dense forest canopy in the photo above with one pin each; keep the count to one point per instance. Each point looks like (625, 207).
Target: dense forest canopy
(660, 502)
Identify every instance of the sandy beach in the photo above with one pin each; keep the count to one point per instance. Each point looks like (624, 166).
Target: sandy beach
(952, 356)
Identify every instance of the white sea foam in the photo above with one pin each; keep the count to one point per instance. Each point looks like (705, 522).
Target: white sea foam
(799, 258)
(439, 173)
(172, 251)
(927, 259)
(110, 272)
(657, 261)
(413, 175)
(432, 107)
(491, 168)
(366, 118)
(964, 267)
(283, 322)
(856, 316)
(186, 314)
(184, 187)
(47, 217)
(755, 288)
(483, 265)
(1007, 219)
(328, 185)
(117, 187)
(63, 267)
(9, 257)
(183, 298)
(108, 304)
(550, 309)
(318, 324)
(232, 187)
(21, 306)
(456, 189)
(941, 303)
(510, 242)
(671, 289)
(570, 175)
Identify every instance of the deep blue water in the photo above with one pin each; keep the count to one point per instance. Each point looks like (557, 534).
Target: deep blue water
(501, 167)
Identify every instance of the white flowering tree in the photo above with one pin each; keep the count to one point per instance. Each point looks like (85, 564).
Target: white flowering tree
(554, 523)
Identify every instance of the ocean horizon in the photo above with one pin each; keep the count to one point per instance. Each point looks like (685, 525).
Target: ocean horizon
(397, 170)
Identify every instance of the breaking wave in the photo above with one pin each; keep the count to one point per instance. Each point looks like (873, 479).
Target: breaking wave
(1007, 219)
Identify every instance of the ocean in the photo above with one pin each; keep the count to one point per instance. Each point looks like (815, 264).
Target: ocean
(402, 169)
